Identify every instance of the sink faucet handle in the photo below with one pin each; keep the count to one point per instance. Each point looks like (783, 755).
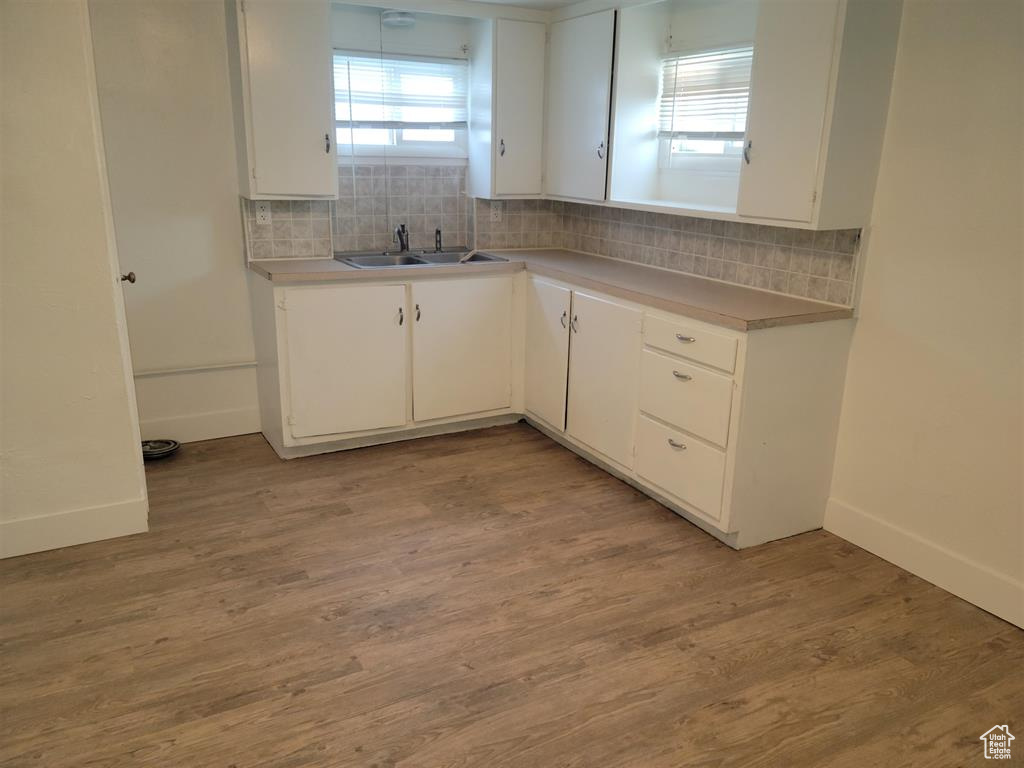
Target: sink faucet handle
(401, 237)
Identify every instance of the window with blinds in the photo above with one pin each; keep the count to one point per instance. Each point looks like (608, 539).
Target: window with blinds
(413, 105)
(703, 107)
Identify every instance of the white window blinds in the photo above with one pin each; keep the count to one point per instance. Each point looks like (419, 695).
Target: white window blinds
(704, 95)
(393, 93)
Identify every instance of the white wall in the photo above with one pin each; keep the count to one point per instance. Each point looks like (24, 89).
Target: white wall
(69, 442)
(929, 461)
(166, 106)
(358, 28)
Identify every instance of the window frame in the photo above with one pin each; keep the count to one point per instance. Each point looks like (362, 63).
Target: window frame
(398, 146)
(726, 163)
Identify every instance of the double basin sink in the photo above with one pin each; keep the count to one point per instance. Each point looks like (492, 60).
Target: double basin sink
(386, 259)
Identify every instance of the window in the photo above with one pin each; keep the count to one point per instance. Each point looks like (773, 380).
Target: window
(402, 105)
(703, 107)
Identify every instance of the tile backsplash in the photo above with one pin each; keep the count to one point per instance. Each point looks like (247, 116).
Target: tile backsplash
(816, 265)
(374, 199)
(298, 229)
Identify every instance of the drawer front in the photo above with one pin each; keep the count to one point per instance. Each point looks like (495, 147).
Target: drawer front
(679, 338)
(693, 472)
(691, 398)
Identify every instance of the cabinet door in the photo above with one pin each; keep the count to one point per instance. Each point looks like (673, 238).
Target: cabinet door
(789, 83)
(518, 107)
(347, 358)
(603, 375)
(547, 350)
(579, 92)
(288, 51)
(462, 346)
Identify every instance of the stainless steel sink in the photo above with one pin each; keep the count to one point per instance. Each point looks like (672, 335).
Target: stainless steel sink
(381, 260)
(387, 260)
(455, 257)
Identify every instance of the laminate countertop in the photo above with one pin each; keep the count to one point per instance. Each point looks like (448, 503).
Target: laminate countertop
(724, 304)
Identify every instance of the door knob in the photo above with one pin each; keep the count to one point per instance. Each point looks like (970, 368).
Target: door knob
(130, 277)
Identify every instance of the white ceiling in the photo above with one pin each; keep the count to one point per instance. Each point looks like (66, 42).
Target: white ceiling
(540, 5)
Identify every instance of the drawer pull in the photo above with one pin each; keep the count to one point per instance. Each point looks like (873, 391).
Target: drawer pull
(677, 445)
(685, 339)
(682, 376)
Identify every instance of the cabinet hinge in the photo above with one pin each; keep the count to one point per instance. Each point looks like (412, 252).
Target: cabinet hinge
(283, 304)
(254, 174)
(814, 196)
(291, 420)
(242, 6)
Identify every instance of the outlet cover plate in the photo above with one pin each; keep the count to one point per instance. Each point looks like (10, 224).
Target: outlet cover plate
(262, 211)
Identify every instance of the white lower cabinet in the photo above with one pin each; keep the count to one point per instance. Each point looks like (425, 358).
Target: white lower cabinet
(462, 346)
(603, 360)
(347, 366)
(733, 430)
(547, 350)
(681, 465)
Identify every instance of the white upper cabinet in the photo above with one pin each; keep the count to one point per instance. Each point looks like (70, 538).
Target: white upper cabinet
(769, 110)
(347, 364)
(506, 122)
(283, 92)
(789, 88)
(578, 103)
(462, 346)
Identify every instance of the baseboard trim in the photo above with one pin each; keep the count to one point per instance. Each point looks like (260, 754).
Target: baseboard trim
(76, 526)
(192, 427)
(976, 583)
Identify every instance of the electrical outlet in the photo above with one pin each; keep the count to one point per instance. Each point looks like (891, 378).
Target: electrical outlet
(262, 211)
(496, 211)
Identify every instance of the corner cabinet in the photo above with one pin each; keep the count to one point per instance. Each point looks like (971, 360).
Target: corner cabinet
(280, 63)
(506, 109)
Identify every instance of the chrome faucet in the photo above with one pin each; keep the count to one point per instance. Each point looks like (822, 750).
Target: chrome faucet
(401, 237)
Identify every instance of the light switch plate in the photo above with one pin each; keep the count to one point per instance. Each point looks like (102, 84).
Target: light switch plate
(495, 210)
(262, 211)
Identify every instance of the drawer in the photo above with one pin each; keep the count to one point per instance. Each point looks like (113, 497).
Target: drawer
(691, 398)
(685, 468)
(680, 338)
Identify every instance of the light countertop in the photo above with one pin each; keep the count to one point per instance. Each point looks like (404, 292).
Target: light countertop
(724, 304)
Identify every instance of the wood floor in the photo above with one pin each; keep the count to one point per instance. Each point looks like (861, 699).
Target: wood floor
(485, 599)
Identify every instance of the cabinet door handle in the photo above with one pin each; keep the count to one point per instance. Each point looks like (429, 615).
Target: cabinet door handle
(746, 152)
(564, 318)
(600, 150)
(575, 323)
(327, 143)
(677, 445)
(685, 339)
(682, 376)
(129, 278)
(417, 313)
(401, 316)
(501, 147)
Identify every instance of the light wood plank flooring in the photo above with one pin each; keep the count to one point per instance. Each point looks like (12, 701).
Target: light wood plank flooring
(485, 599)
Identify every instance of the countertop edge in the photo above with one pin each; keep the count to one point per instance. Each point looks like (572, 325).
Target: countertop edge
(667, 305)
